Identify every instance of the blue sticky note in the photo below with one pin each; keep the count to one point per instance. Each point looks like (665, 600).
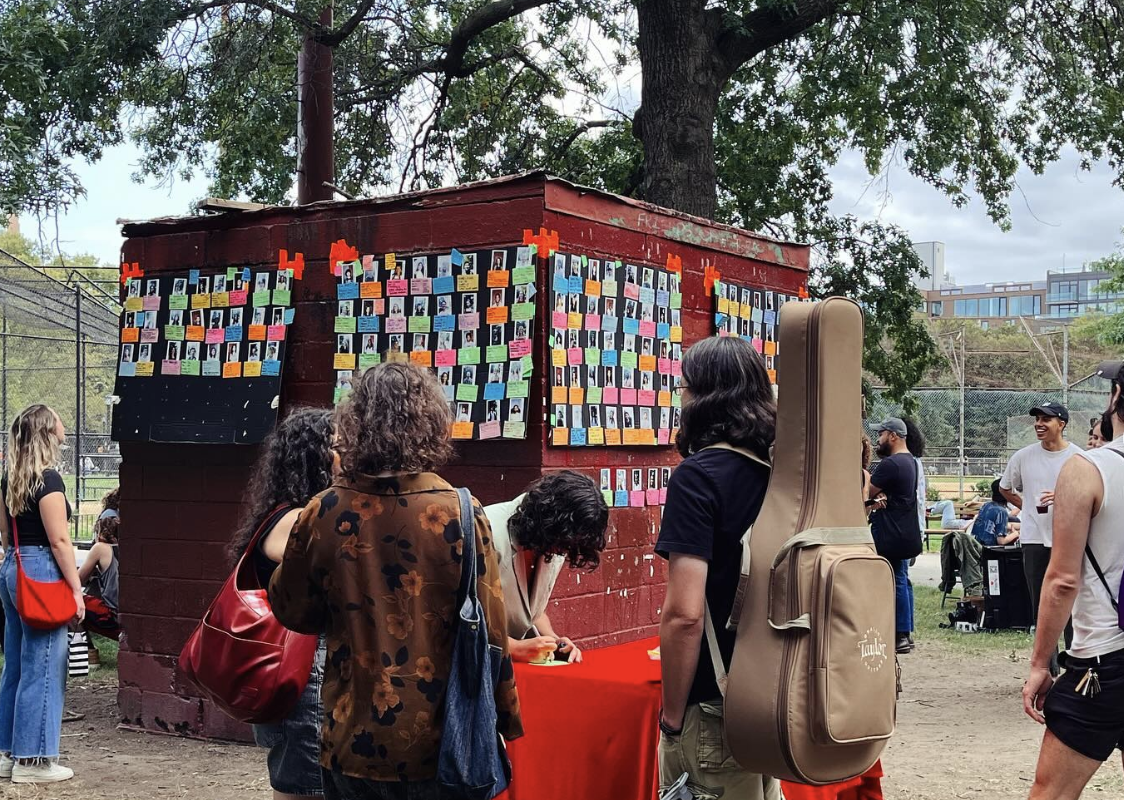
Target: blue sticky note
(289, 314)
(245, 273)
(347, 291)
(456, 257)
(444, 322)
(271, 368)
(577, 436)
(647, 295)
(662, 298)
(608, 323)
(445, 285)
(577, 285)
(720, 319)
(193, 277)
(608, 358)
(233, 333)
(620, 499)
(494, 391)
(368, 324)
(770, 317)
(127, 369)
(561, 285)
(663, 330)
(631, 325)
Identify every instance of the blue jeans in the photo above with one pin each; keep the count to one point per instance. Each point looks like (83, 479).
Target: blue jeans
(34, 679)
(294, 743)
(338, 786)
(903, 596)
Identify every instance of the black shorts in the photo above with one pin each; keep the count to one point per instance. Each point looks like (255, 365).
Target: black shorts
(1093, 725)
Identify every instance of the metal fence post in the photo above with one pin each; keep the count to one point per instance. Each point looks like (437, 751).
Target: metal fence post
(77, 407)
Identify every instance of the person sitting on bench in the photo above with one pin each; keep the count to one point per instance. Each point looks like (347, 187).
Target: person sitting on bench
(992, 527)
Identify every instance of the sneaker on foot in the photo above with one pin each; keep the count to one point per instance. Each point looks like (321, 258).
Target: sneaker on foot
(43, 772)
(903, 646)
(6, 764)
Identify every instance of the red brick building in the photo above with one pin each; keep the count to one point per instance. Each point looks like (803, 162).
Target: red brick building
(181, 502)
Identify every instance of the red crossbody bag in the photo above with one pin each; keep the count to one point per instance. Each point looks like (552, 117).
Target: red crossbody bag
(240, 657)
(45, 605)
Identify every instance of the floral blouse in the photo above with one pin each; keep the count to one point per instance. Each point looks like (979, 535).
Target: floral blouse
(375, 564)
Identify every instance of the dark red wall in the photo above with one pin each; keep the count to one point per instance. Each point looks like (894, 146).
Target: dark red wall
(181, 502)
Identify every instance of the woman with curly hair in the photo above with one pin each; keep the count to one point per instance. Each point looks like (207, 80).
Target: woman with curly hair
(296, 464)
(99, 573)
(714, 496)
(561, 517)
(374, 563)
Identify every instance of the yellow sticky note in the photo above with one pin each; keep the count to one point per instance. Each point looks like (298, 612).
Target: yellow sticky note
(344, 361)
(557, 394)
(676, 333)
(574, 321)
(558, 358)
(200, 301)
(631, 436)
(252, 370)
(723, 305)
(770, 348)
(596, 436)
(664, 399)
(647, 363)
(134, 304)
(144, 369)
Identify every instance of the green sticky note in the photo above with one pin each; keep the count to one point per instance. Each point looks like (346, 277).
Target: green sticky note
(345, 325)
(468, 355)
(189, 368)
(593, 395)
(496, 352)
(528, 365)
(585, 260)
(281, 297)
(676, 402)
(628, 360)
(609, 289)
(261, 298)
(178, 302)
(420, 325)
(677, 300)
(518, 388)
(337, 395)
(467, 392)
(173, 333)
(230, 274)
(618, 264)
(608, 496)
(592, 356)
(523, 274)
(534, 249)
(368, 360)
(523, 311)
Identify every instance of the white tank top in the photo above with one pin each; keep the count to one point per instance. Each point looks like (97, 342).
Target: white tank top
(1096, 631)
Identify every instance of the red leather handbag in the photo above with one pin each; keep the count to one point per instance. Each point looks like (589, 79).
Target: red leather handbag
(240, 657)
(45, 605)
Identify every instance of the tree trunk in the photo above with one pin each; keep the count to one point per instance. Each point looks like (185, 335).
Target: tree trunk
(679, 102)
(315, 128)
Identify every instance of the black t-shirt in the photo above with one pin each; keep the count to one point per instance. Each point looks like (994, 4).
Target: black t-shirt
(896, 475)
(712, 499)
(30, 524)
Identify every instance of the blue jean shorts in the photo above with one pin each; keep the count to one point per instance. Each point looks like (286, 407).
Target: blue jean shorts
(294, 743)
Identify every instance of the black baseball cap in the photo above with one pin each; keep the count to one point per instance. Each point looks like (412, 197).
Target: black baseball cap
(893, 425)
(1051, 409)
(1109, 369)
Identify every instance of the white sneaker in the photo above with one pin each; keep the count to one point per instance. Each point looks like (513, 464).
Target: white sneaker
(43, 772)
(6, 764)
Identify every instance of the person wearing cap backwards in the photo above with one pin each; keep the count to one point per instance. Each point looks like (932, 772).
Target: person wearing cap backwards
(1084, 710)
(894, 520)
(1028, 483)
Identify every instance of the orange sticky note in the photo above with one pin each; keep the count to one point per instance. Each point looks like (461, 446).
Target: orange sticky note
(257, 333)
(664, 400)
(232, 369)
(560, 436)
(370, 289)
(647, 363)
(772, 375)
(577, 395)
(558, 394)
(593, 288)
(462, 430)
(770, 348)
(130, 334)
(613, 436)
(423, 358)
(574, 321)
(631, 436)
(498, 279)
(497, 316)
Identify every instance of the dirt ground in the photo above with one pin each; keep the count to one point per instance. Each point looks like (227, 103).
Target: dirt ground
(961, 734)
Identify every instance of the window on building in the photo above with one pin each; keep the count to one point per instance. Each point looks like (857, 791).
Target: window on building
(936, 308)
(984, 324)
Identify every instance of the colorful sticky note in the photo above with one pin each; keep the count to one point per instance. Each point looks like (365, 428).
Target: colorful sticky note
(497, 315)
(344, 361)
(518, 388)
(252, 369)
(593, 395)
(130, 334)
(468, 355)
(494, 391)
(398, 288)
(495, 353)
(370, 289)
(596, 436)
(174, 333)
(177, 302)
(518, 348)
(613, 437)
(423, 358)
(521, 311)
(189, 368)
(576, 396)
(420, 325)
(345, 325)
(560, 437)
(577, 437)
(498, 279)
(521, 275)
(620, 498)
(271, 367)
(514, 430)
(558, 395)
(446, 358)
(463, 430)
(490, 430)
(232, 369)
(233, 333)
(347, 291)
(468, 283)
(144, 369)
(169, 367)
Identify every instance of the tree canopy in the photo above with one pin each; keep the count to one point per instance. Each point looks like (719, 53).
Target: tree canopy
(743, 107)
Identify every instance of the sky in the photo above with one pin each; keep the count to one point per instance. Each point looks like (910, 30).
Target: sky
(1063, 216)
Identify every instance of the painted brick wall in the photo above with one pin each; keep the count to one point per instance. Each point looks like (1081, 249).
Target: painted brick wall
(181, 503)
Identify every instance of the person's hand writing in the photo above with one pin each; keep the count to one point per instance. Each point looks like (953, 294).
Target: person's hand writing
(1035, 689)
(530, 650)
(570, 650)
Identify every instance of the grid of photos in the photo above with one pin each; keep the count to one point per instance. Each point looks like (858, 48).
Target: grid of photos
(230, 325)
(616, 352)
(635, 487)
(468, 316)
(752, 314)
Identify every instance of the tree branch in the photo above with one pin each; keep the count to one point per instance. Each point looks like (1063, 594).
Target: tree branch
(343, 31)
(198, 9)
(585, 127)
(741, 38)
(480, 20)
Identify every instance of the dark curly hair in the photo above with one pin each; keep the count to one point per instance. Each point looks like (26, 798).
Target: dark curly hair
(295, 465)
(730, 399)
(914, 438)
(1106, 426)
(562, 514)
(396, 419)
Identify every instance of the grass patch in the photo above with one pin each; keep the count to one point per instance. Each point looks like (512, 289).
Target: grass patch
(108, 671)
(928, 614)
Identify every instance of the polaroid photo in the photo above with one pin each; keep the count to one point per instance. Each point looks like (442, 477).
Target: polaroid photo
(673, 284)
(215, 320)
(559, 376)
(253, 351)
(130, 320)
(179, 286)
(444, 266)
(675, 417)
(421, 343)
(495, 335)
(421, 307)
(347, 274)
(628, 415)
(464, 412)
(127, 353)
(590, 305)
(571, 339)
(610, 306)
(367, 308)
(468, 304)
(219, 284)
(191, 351)
(496, 298)
(745, 327)
(630, 343)
(622, 480)
(649, 278)
(468, 338)
(594, 416)
(590, 338)
(499, 261)
(768, 301)
(153, 288)
(134, 288)
(591, 376)
(283, 280)
(646, 418)
(468, 266)
(747, 297)
(637, 480)
(235, 317)
(278, 316)
(195, 318)
(605, 485)
(630, 308)
(397, 306)
(522, 329)
(213, 352)
(593, 273)
(345, 308)
(343, 343)
(444, 340)
(665, 418)
(630, 273)
(444, 305)
(514, 371)
(261, 282)
(560, 416)
(645, 312)
(757, 299)
(575, 376)
(175, 316)
(661, 281)
(770, 333)
(661, 315)
(343, 379)
(370, 344)
(445, 376)
(646, 381)
(646, 346)
(676, 318)
(397, 343)
(398, 271)
(370, 271)
(610, 340)
(611, 417)
(665, 348)
(419, 267)
(144, 353)
(769, 362)
(627, 378)
(204, 286)
(492, 411)
(732, 292)
(575, 266)
(610, 377)
(573, 303)
(576, 417)
(232, 351)
(468, 374)
(521, 293)
(495, 373)
(239, 282)
(272, 351)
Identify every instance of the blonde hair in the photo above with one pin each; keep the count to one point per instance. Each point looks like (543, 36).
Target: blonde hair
(32, 449)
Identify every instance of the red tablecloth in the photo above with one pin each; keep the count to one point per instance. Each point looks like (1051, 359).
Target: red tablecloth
(591, 732)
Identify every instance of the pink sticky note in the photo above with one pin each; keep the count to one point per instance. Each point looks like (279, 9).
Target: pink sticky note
(648, 328)
(276, 333)
(664, 366)
(610, 395)
(421, 286)
(152, 302)
(628, 397)
(468, 322)
(677, 368)
(153, 335)
(663, 436)
(593, 322)
(399, 288)
(395, 324)
(647, 397)
(445, 358)
(169, 367)
(632, 291)
(559, 319)
(574, 356)
(652, 497)
(238, 298)
(518, 348)
(380, 307)
(758, 345)
(636, 499)
(663, 491)
(215, 336)
(489, 430)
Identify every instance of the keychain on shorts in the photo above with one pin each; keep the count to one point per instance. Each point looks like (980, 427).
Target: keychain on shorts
(1090, 685)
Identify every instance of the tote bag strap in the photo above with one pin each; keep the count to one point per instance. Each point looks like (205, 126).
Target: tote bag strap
(468, 549)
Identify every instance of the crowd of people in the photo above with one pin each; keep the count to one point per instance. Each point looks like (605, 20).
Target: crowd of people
(361, 544)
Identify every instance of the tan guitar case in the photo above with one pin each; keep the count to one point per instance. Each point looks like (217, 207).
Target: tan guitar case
(811, 692)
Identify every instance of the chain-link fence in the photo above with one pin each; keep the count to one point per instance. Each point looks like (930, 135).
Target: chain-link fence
(58, 346)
